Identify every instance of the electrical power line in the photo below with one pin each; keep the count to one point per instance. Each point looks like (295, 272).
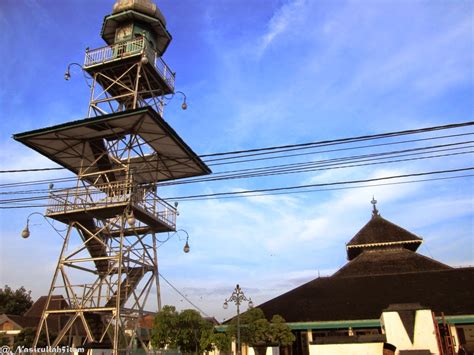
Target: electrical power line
(183, 295)
(63, 192)
(341, 149)
(292, 147)
(449, 149)
(314, 166)
(337, 188)
(345, 140)
(269, 168)
(289, 189)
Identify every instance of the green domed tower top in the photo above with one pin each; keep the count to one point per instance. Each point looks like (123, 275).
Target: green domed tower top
(134, 18)
(130, 69)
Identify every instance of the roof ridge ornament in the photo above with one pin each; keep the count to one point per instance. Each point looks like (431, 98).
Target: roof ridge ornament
(375, 211)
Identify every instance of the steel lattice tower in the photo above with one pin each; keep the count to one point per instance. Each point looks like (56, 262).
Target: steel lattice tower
(108, 262)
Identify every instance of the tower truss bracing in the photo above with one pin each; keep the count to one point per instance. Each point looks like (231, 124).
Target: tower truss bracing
(108, 264)
(107, 270)
(127, 75)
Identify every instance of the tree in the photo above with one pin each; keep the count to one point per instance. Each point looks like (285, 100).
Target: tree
(4, 341)
(280, 333)
(247, 325)
(262, 333)
(222, 342)
(262, 336)
(14, 302)
(27, 336)
(259, 333)
(165, 328)
(186, 331)
(193, 332)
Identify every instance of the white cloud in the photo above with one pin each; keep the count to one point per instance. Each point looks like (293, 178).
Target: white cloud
(282, 20)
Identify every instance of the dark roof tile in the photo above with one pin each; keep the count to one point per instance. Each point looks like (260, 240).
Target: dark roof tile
(389, 261)
(36, 310)
(23, 322)
(380, 232)
(365, 297)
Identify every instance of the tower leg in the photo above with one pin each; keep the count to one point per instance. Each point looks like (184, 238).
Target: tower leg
(156, 273)
(44, 315)
(119, 287)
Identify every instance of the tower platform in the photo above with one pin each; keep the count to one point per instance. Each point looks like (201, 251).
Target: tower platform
(108, 200)
(114, 65)
(92, 149)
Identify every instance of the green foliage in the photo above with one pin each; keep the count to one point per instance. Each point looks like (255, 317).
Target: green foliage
(247, 325)
(222, 342)
(280, 332)
(256, 330)
(27, 336)
(190, 333)
(206, 340)
(165, 328)
(4, 341)
(262, 332)
(193, 332)
(186, 331)
(14, 302)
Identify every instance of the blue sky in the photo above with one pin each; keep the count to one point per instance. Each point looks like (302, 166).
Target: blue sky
(259, 73)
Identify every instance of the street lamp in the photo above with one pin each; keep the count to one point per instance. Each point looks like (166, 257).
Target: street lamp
(237, 297)
(25, 233)
(67, 74)
(184, 105)
(186, 247)
(131, 219)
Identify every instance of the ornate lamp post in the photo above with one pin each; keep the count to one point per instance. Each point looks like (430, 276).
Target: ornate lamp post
(237, 297)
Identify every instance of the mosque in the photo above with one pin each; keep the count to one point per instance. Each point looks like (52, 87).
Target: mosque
(386, 299)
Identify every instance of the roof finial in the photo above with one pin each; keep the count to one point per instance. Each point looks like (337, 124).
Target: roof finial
(375, 211)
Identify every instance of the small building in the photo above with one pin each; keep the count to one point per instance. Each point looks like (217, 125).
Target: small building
(12, 325)
(387, 296)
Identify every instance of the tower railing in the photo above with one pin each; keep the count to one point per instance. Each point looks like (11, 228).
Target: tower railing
(148, 201)
(134, 47)
(89, 197)
(109, 195)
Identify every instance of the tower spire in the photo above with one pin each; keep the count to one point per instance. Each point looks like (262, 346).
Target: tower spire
(375, 211)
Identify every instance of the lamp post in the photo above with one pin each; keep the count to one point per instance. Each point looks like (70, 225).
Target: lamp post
(237, 297)
(25, 233)
(184, 105)
(186, 247)
(67, 74)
